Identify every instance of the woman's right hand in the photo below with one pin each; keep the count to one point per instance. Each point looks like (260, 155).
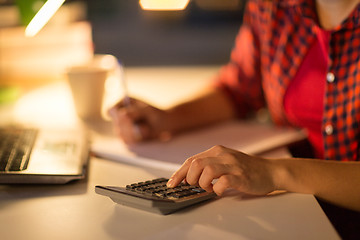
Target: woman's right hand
(139, 121)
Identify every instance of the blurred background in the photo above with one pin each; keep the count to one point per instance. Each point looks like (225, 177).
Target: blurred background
(201, 34)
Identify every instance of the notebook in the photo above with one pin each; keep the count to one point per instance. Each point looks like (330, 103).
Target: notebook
(42, 156)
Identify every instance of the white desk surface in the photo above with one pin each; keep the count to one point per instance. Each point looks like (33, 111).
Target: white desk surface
(75, 211)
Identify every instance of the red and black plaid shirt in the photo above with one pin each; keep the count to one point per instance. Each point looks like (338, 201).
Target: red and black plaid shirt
(272, 43)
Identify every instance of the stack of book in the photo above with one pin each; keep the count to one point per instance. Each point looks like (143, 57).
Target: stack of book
(66, 40)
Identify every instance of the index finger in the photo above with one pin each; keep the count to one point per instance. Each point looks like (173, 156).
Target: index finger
(180, 174)
(112, 111)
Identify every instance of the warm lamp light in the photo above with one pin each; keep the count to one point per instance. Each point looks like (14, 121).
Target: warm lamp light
(164, 5)
(42, 17)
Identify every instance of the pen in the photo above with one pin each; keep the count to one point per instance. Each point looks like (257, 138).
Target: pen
(126, 100)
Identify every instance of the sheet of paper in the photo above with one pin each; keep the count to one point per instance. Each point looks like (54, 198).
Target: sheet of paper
(249, 137)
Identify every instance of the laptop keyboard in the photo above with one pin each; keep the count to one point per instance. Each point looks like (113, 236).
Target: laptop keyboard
(15, 148)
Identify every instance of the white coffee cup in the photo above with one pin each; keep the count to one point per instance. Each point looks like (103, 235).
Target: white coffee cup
(87, 83)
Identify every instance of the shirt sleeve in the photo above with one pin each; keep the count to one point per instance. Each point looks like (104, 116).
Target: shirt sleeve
(240, 79)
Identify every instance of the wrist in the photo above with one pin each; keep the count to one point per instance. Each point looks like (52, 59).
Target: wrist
(280, 174)
(289, 176)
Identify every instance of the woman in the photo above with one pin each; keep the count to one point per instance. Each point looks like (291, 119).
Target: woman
(301, 59)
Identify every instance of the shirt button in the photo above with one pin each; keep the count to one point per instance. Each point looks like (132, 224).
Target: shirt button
(330, 77)
(329, 129)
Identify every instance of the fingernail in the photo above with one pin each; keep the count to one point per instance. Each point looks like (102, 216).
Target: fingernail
(112, 113)
(170, 183)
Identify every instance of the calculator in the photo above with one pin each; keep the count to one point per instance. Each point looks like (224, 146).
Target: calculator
(154, 196)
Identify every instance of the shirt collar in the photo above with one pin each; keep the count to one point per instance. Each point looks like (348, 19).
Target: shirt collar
(353, 21)
(307, 9)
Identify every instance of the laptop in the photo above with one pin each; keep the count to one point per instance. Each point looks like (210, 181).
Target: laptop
(42, 156)
(39, 156)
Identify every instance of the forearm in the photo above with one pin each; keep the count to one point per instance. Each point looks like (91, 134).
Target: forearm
(332, 181)
(210, 106)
